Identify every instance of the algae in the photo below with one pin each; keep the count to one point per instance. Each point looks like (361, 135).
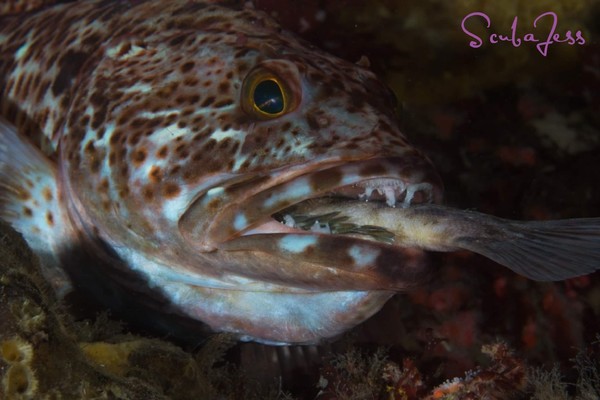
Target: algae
(46, 354)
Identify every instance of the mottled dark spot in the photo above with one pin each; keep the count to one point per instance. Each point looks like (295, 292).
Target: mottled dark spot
(50, 218)
(208, 146)
(89, 148)
(97, 99)
(103, 187)
(223, 87)
(245, 165)
(372, 169)
(134, 139)
(174, 170)
(171, 190)
(27, 211)
(177, 40)
(125, 48)
(325, 179)
(95, 165)
(286, 126)
(116, 136)
(139, 156)
(187, 66)
(223, 144)
(47, 193)
(99, 117)
(148, 193)
(91, 40)
(155, 174)
(136, 122)
(190, 81)
(69, 65)
(162, 152)
(182, 151)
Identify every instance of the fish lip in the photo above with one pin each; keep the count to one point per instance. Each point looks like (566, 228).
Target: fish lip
(254, 213)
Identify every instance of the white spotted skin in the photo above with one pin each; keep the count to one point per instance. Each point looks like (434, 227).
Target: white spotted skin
(363, 256)
(299, 188)
(296, 243)
(240, 222)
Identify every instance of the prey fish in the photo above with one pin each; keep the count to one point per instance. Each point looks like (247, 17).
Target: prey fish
(540, 250)
(146, 148)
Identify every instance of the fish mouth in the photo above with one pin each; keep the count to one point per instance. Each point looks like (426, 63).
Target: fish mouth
(396, 182)
(252, 237)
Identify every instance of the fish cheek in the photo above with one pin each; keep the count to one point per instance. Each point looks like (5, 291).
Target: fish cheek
(195, 221)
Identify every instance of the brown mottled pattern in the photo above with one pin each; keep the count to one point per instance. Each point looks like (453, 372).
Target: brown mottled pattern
(135, 92)
(20, 6)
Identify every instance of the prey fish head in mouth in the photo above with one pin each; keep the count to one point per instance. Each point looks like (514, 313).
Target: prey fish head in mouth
(301, 286)
(183, 127)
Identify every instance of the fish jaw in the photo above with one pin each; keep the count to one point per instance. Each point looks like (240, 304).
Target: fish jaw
(244, 204)
(299, 286)
(280, 318)
(244, 232)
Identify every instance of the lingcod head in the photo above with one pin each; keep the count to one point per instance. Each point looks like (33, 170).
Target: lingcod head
(188, 125)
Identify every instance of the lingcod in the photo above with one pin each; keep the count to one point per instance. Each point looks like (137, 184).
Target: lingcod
(157, 156)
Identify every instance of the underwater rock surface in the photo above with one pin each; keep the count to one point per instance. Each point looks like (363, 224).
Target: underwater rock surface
(45, 354)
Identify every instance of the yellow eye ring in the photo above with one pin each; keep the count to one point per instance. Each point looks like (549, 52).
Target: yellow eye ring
(265, 96)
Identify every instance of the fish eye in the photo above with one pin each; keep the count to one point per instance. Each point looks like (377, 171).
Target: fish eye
(268, 97)
(265, 95)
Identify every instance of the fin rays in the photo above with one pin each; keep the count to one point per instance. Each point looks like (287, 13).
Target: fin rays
(29, 201)
(544, 250)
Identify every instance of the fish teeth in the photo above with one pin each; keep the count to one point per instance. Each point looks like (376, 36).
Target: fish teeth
(365, 196)
(288, 220)
(390, 196)
(393, 190)
(320, 227)
(414, 188)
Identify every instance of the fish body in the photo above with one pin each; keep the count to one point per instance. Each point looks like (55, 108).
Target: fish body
(165, 130)
(150, 144)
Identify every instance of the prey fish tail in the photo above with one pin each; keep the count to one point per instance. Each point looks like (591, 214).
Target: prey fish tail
(540, 250)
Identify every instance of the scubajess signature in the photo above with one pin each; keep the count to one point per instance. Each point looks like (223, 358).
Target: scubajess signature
(542, 39)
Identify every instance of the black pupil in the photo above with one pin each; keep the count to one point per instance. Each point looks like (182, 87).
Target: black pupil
(268, 97)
